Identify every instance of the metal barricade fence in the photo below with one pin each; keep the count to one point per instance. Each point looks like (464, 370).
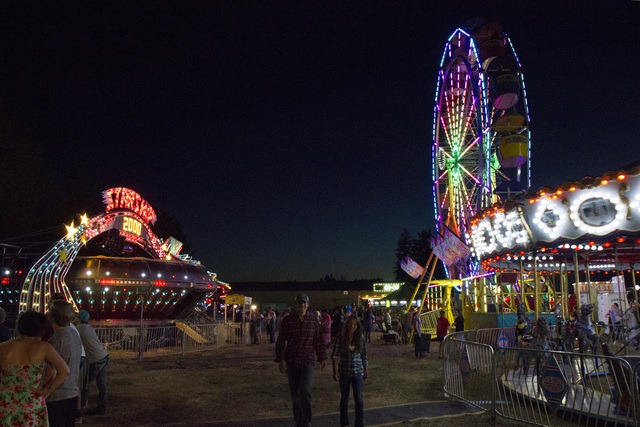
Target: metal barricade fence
(533, 386)
(125, 342)
(468, 371)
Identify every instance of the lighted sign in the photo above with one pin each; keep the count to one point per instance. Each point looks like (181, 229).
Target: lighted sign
(597, 212)
(499, 231)
(386, 287)
(131, 225)
(125, 198)
(551, 216)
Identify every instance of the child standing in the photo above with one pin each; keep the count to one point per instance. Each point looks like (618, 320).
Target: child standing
(442, 329)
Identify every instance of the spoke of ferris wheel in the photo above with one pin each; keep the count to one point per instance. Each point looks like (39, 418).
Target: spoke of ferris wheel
(470, 175)
(470, 145)
(444, 173)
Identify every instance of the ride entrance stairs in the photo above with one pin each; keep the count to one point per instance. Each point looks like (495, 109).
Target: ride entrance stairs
(192, 333)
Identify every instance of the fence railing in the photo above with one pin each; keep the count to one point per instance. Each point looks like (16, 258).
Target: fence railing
(484, 369)
(125, 342)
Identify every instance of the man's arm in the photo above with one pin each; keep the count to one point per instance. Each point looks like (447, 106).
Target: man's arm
(318, 343)
(281, 342)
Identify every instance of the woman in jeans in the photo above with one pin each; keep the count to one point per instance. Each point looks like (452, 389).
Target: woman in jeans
(350, 362)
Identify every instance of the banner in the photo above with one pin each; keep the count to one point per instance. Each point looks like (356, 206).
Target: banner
(411, 267)
(449, 248)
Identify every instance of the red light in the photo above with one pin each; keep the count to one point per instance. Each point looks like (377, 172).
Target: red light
(621, 239)
(607, 245)
(104, 281)
(161, 283)
(6, 281)
(554, 251)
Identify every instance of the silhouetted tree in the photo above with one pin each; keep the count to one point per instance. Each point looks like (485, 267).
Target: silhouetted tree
(403, 249)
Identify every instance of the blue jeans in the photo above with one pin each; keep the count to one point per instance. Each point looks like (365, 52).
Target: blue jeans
(357, 383)
(97, 371)
(300, 380)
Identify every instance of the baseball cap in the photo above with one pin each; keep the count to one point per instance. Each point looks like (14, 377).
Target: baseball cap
(84, 316)
(302, 297)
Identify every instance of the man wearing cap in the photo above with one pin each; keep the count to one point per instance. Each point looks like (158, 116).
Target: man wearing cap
(97, 359)
(299, 343)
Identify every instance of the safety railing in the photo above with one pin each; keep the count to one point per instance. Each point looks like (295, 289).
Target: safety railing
(534, 386)
(125, 342)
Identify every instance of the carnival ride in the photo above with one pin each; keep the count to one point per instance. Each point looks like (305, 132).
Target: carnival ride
(481, 138)
(480, 149)
(115, 267)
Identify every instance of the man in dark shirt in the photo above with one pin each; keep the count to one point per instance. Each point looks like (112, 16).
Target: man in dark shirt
(299, 343)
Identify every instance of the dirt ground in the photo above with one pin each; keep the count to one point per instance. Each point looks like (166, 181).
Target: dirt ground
(244, 383)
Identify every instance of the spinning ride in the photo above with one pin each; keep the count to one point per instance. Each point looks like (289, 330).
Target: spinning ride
(115, 267)
(481, 138)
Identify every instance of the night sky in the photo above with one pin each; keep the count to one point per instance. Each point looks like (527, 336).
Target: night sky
(293, 141)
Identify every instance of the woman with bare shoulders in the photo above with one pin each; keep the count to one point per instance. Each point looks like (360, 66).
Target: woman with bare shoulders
(22, 365)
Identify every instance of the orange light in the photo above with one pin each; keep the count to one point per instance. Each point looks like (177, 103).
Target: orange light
(572, 189)
(558, 192)
(621, 239)
(607, 245)
(532, 201)
(542, 193)
(621, 177)
(604, 182)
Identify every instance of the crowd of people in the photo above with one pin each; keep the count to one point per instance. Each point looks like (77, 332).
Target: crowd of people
(46, 370)
(307, 335)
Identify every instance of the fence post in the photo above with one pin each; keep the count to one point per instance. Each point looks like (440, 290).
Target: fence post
(140, 341)
(494, 385)
(184, 342)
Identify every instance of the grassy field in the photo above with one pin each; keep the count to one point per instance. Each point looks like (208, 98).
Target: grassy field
(244, 383)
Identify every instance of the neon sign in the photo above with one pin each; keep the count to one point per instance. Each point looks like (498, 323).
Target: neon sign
(131, 225)
(125, 198)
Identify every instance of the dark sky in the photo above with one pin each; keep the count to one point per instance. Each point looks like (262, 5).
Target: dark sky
(293, 141)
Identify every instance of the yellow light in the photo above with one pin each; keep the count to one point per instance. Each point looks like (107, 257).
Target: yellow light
(84, 219)
(71, 231)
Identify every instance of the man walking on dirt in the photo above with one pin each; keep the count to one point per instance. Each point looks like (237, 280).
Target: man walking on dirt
(298, 345)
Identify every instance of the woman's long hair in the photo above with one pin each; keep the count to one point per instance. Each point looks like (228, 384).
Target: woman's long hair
(357, 335)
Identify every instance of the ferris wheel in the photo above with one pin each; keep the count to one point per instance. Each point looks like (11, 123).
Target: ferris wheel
(481, 137)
